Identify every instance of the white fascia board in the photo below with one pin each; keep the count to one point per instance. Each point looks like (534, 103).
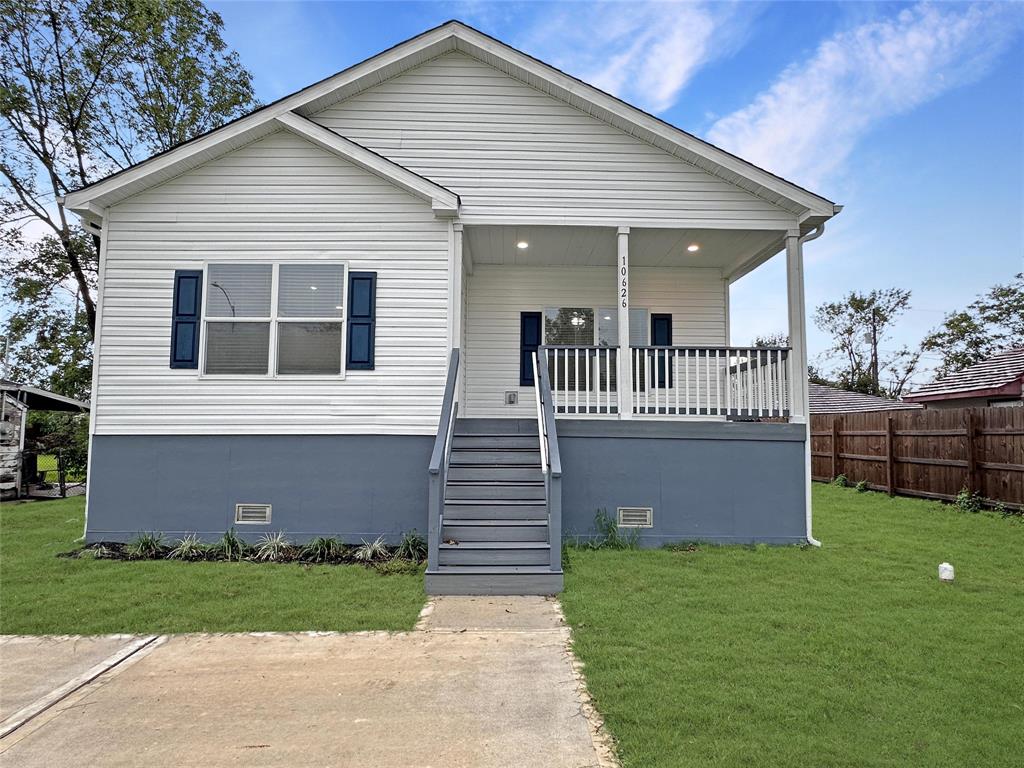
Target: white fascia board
(443, 201)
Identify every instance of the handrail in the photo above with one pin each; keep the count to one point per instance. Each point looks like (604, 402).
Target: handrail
(552, 465)
(438, 467)
(544, 383)
(541, 430)
(444, 423)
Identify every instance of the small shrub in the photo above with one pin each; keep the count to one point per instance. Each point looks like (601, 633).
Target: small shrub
(273, 548)
(398, 565)
(840, 481)
(371, 551)
(967, 501)
(230, 547)
(682, 546)
(609, 536)
(145, 546)
(322, 549)
(412, 547)
(189, 548)
(862, 486)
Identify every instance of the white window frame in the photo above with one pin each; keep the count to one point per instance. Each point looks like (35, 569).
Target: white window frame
(596, 340)
(274, 320)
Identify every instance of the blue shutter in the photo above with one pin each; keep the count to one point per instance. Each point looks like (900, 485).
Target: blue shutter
(186, 309)
(362, 320)
(529, 341)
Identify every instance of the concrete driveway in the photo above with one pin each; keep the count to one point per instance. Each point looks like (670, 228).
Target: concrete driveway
(481, 682)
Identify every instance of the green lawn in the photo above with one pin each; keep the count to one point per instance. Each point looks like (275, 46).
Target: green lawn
(44, 594)
(850, 655)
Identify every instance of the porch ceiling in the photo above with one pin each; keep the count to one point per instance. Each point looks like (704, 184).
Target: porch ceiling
(596, 246)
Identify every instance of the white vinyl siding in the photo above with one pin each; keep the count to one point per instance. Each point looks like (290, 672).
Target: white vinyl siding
(513, 153)
(277, 200)
(496, 295)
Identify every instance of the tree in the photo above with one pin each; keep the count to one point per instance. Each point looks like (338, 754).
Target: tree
(88, 87)
(771, 340)
(859, 324)
(992, 322)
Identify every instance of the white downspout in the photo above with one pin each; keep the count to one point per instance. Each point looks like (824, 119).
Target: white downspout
(795, 267)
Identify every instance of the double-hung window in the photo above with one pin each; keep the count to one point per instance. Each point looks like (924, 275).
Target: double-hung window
(275, 319)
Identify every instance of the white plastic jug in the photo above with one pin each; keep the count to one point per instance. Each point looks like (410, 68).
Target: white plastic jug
(945, 572)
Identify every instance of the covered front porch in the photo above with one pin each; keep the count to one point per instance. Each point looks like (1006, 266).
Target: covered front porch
(564, 292)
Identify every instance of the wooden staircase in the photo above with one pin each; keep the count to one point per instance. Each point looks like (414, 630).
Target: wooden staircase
(494, 536)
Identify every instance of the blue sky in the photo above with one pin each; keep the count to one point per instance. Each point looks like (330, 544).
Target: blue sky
(911, 115)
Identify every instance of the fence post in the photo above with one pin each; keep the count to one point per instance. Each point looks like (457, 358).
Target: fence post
(970, 427)
(890, 456)
(61, 474)
(835, 446)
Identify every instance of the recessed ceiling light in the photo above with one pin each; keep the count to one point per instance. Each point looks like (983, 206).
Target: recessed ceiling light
(693, 247)
(522, 245)
(338, 307)
(312, 287)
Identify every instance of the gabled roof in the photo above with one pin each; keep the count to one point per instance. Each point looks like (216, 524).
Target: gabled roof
(1001, 374)
(810, 208)
(832, 400)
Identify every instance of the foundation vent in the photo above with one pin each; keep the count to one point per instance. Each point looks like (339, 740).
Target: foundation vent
(258, 514)
(636, 517)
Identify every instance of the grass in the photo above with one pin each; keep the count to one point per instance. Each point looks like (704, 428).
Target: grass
(851, 655)
(43, 594)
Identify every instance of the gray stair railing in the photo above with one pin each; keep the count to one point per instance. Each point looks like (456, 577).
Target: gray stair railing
(550, 459)
(438, 469)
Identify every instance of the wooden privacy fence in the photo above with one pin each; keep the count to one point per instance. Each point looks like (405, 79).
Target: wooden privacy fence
(929, 453)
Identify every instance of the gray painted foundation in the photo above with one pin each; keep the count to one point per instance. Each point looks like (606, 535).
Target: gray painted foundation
(350, 486)
(708, 481)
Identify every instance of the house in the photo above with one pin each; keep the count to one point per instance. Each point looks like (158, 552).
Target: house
(16, 400)
(450, 288)
(996, 381)
(825, 399)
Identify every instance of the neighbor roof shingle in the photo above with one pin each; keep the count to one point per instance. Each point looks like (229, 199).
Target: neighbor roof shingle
(991, 373)
(831, 400)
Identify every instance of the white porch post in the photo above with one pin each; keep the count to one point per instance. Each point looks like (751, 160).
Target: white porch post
(624, 365)
(455, 302)
(799, 406)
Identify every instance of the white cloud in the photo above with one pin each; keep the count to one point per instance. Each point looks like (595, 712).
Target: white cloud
(805, 125)
(644, 52)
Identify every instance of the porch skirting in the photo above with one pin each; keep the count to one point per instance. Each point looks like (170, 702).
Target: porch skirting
(727, 482)
(708, 481)
(350, 486)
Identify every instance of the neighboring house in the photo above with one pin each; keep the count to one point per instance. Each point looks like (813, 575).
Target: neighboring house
(997, 381)
(824, 399)
(16, 400)
(323, 318)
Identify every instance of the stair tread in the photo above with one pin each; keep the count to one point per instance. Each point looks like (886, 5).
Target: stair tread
(496, 523)
(496, 569)
(496, 545)
(510, 483)
(495, 502)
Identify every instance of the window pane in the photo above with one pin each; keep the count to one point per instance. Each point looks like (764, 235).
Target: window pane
(311, 290)
(309, 348)
(237, 347)
(608, 327)
(569, 326)
(239, 290)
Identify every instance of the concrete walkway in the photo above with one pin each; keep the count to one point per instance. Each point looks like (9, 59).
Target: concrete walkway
(482, 682)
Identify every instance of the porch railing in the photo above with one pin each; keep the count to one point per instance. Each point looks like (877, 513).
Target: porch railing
(731, 382)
